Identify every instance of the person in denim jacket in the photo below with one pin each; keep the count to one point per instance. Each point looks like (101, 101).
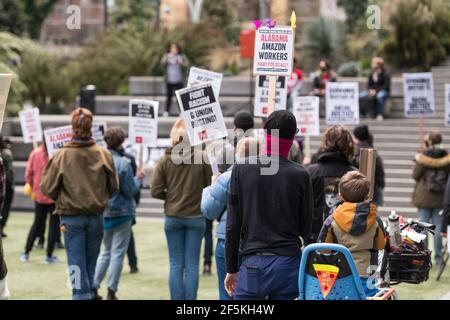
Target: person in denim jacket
(214, 207)
(118, 217)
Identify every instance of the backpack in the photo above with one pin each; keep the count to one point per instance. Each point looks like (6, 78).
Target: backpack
(436, 180)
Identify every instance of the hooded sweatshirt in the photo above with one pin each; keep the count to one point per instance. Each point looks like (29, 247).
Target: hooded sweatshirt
(356, 227)
(80, 177)
(431, 159)
(180, 182)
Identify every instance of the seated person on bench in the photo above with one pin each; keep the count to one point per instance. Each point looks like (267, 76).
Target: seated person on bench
(378, 85)
(355, 225)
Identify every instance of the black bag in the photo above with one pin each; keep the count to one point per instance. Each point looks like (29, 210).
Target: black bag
(436, 180)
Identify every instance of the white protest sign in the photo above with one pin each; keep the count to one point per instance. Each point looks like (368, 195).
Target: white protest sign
(143, 122)
(342, 103)
(56, 138)
(419, 94)
(273, 51)
(202, 76)
(202, 114)
(262, 95)
(306, 111)
(5, 83)
(30, 123)
(98, 131)
(447, 105)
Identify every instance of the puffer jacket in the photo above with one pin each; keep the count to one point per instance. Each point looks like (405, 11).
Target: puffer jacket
(356, 227)
(325, 177)
(214, 202)
(430, 159)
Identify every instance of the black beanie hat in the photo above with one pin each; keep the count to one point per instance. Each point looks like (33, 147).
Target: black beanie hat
(284, 121)
(243, 120)
(361, 132)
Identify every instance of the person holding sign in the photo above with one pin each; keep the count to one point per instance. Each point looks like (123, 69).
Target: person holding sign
(267, 214)
(378, 85)
(43, 206)
(81, 178)
(174, 62)
(329, 164)
(321, 77)
(179, 181)
(118, 217)
(214, 206)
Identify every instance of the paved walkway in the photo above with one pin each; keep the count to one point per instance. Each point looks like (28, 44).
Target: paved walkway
(445, 296)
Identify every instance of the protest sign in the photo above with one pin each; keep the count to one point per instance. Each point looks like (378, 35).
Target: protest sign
(56, 138)
(31, 126)
(273, 51)
(261, 108)
(202, 114)
(143, 122)
(419, 95)
(306, 111)
(447, 104)
(98, 131)
(342, 103)
(202, 76)
(5, 82)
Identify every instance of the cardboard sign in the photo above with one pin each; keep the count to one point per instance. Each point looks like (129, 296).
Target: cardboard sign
(56, 138)
(447, 105)
(5, 83)
(273, 51)
(202, 114)
(30, 123)
(306, 111)
(262, 95)
(419, 94)
(143, 122)
(202, 76)
(342, 103)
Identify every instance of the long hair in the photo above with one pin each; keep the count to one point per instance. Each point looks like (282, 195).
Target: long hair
(81, 123)
(178, 133)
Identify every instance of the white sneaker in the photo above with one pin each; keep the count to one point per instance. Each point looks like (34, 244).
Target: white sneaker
(165, 114)
(380, 117)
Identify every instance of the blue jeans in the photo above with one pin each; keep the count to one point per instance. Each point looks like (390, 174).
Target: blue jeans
(184, 239)
(82, 237)
(268, 278)
(115, 243)
(381, 98)
(432, 215)
(221, 269)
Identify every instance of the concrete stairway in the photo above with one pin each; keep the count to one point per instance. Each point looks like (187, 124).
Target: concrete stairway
(396, 140)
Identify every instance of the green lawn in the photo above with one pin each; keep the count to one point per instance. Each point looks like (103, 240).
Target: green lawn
(35, 280)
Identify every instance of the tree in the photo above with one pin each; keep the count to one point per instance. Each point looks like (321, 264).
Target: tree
(36, 11)
(135, 13)
(355, 10)
(11, 17)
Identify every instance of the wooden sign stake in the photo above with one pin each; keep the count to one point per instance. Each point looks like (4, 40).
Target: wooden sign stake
(367, 162)
(141, 156)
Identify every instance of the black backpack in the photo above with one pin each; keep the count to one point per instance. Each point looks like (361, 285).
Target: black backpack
(436, 180)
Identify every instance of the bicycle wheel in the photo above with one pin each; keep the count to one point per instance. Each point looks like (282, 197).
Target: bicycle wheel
(442, 266)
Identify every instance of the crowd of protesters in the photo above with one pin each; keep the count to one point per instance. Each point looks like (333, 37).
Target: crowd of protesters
(264, 218)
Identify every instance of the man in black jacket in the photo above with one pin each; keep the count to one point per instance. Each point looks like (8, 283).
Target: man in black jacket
(268, 214)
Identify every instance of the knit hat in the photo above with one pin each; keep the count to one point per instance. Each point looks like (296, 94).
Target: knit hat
(284, 121)
(361, 132)
(243, 120)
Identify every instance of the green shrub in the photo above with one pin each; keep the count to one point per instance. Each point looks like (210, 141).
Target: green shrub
(419, 32)
(349, 69)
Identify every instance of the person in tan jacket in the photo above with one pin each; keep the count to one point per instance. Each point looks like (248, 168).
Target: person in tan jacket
(179, 181)
(80, 178)
(355, 225)
(430, 173)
